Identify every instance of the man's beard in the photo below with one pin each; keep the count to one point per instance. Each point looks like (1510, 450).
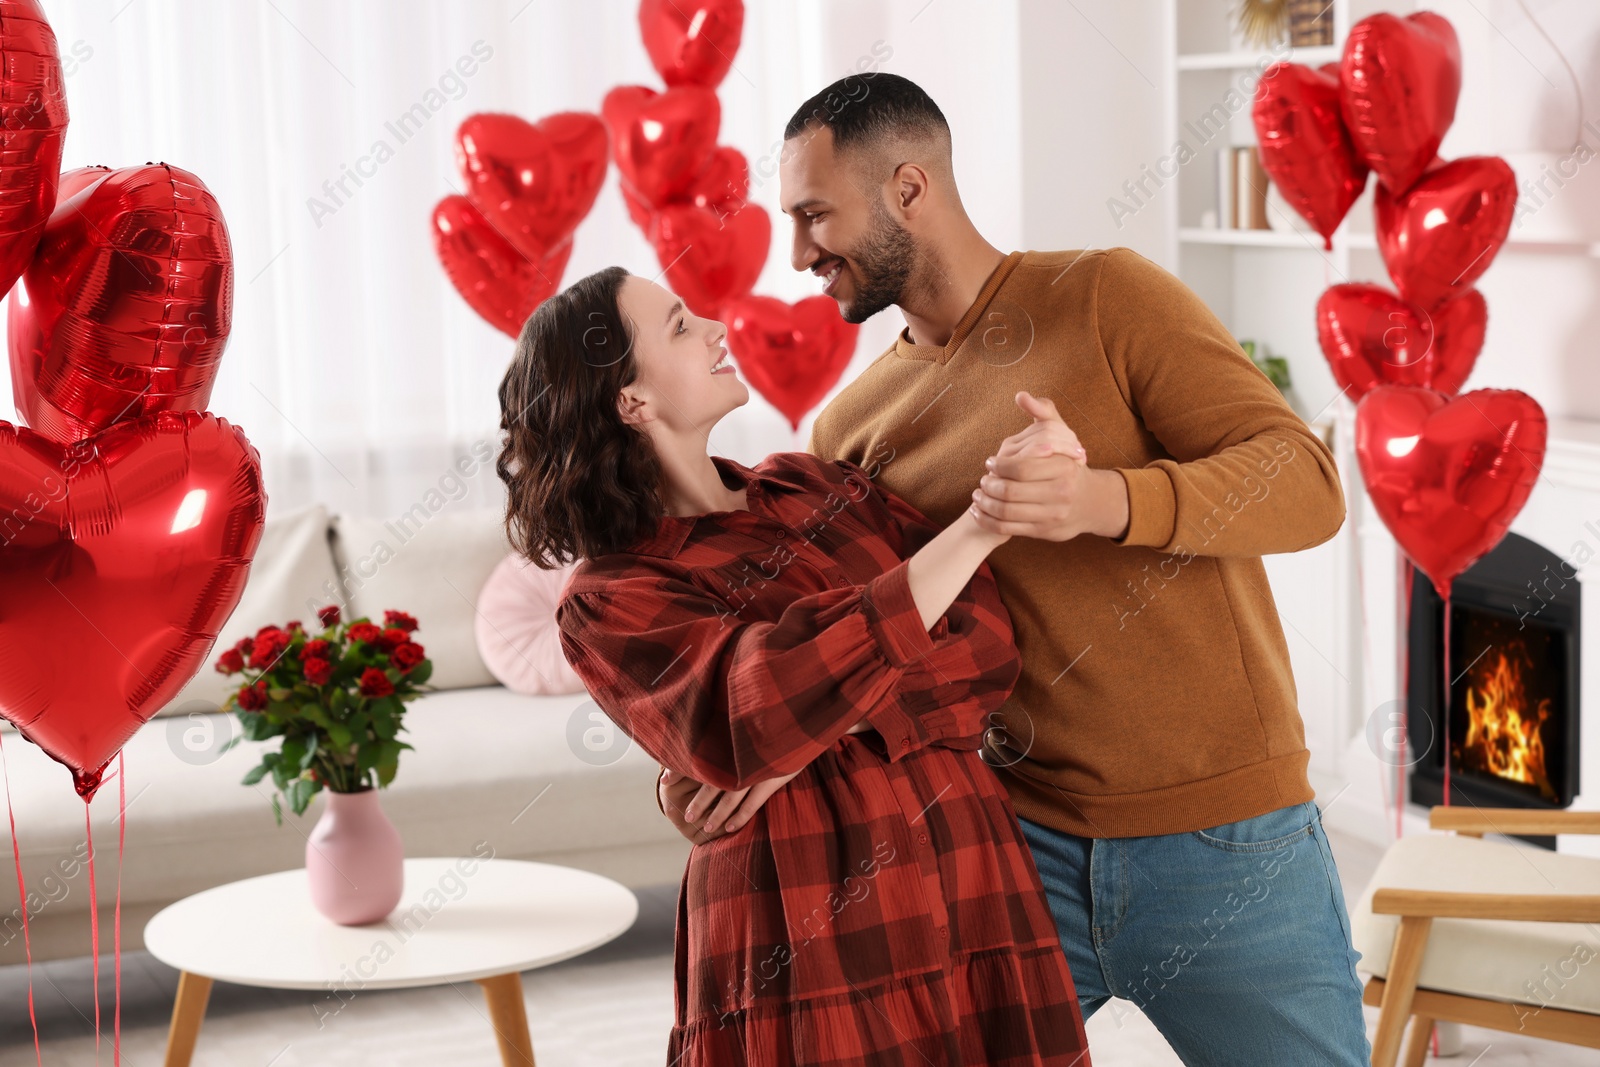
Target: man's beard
(884, 261)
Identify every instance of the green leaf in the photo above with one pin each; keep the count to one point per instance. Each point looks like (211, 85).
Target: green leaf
(421, 672)
(277, 810)
(294, 753)
(230, 742)
(301, 790)
(388, 761)
(256, 727)
(255, 774)
(385, 717)
(339, 736)
(311, 751)
(340, 701)
(1277, 369)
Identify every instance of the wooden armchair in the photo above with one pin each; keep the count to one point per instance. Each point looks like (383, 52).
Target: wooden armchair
(1464, 930)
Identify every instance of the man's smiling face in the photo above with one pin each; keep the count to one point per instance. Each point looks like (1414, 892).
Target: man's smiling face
(844, 232)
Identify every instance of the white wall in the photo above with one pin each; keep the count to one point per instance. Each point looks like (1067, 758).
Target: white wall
(1517, 102)
(1094, 83)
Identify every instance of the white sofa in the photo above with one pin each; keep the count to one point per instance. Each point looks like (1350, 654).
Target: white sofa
(522, 773)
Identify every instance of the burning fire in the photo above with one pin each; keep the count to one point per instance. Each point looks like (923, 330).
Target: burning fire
(1503, 738)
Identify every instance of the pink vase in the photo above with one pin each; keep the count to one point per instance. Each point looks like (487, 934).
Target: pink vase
(355, 862)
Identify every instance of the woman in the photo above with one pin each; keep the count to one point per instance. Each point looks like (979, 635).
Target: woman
(792, 619)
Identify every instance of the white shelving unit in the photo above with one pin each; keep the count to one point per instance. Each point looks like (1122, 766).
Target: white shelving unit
(1339, 601)
(1195, 235)
(1312, 57)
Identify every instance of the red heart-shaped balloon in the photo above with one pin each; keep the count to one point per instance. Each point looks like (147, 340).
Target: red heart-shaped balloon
(662, 142)
(1439, 236)
(122, 557)
(31, 84)
(710, 259)
(723, 186)
(1305, 148)
(1399, 80)
(1372, 337)
(691, 42)
(1448, 476)
(126, 307)
(642, 214)
(534, 182)
(495, 279)
(791, 353)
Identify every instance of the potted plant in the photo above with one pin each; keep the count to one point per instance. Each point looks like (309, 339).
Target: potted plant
(337, 699)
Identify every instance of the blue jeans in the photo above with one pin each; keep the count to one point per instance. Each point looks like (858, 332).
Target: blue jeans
(1234, 941)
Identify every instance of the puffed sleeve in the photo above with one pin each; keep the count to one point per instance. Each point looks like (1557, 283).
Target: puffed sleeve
(949, 696)
(731, 703)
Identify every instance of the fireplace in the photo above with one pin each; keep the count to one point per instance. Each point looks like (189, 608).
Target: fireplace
(1513, 694)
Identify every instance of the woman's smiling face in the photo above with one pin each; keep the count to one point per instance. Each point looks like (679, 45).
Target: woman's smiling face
(678, 355)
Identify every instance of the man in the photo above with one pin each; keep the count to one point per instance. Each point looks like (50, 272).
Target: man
(1152, 748)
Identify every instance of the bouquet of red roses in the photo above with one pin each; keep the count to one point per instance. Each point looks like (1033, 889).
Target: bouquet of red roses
(337, 699)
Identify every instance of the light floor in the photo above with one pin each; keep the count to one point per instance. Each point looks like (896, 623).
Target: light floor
(610, 1008)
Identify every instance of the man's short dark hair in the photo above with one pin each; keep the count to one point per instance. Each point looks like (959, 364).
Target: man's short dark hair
(870, 108)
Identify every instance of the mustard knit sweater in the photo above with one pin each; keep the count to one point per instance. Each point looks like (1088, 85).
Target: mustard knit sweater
(1156, 695)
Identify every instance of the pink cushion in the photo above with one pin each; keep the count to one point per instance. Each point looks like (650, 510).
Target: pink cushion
(516, 628)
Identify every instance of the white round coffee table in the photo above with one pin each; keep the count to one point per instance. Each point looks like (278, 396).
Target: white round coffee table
(461, 919)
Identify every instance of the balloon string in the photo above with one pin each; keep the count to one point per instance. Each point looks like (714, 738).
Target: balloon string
(22, 894)
(94, 926)
(1447, 700)
(1409, 576)
(1577, 87)
(122, 836)
(1366, 636)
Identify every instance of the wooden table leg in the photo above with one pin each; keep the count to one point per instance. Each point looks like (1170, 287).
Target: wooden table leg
(503, 993)
(187, 1011)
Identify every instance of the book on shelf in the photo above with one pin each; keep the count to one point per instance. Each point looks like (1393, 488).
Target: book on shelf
(1227, 187)
(1241, 189)
(1250, 190)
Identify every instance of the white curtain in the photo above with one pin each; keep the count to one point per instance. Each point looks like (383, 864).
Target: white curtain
(354, 367)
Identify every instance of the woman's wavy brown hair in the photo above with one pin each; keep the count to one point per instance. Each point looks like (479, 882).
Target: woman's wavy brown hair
(580, 482)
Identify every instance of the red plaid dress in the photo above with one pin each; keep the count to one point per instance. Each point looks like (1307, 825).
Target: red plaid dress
(883, 907)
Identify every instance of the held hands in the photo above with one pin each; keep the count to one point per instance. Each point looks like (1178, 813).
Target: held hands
(1040, 484)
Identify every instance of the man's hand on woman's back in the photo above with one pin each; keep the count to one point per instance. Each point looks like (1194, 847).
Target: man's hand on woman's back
(702, 812)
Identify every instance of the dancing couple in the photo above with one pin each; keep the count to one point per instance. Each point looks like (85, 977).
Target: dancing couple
(979, 712)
